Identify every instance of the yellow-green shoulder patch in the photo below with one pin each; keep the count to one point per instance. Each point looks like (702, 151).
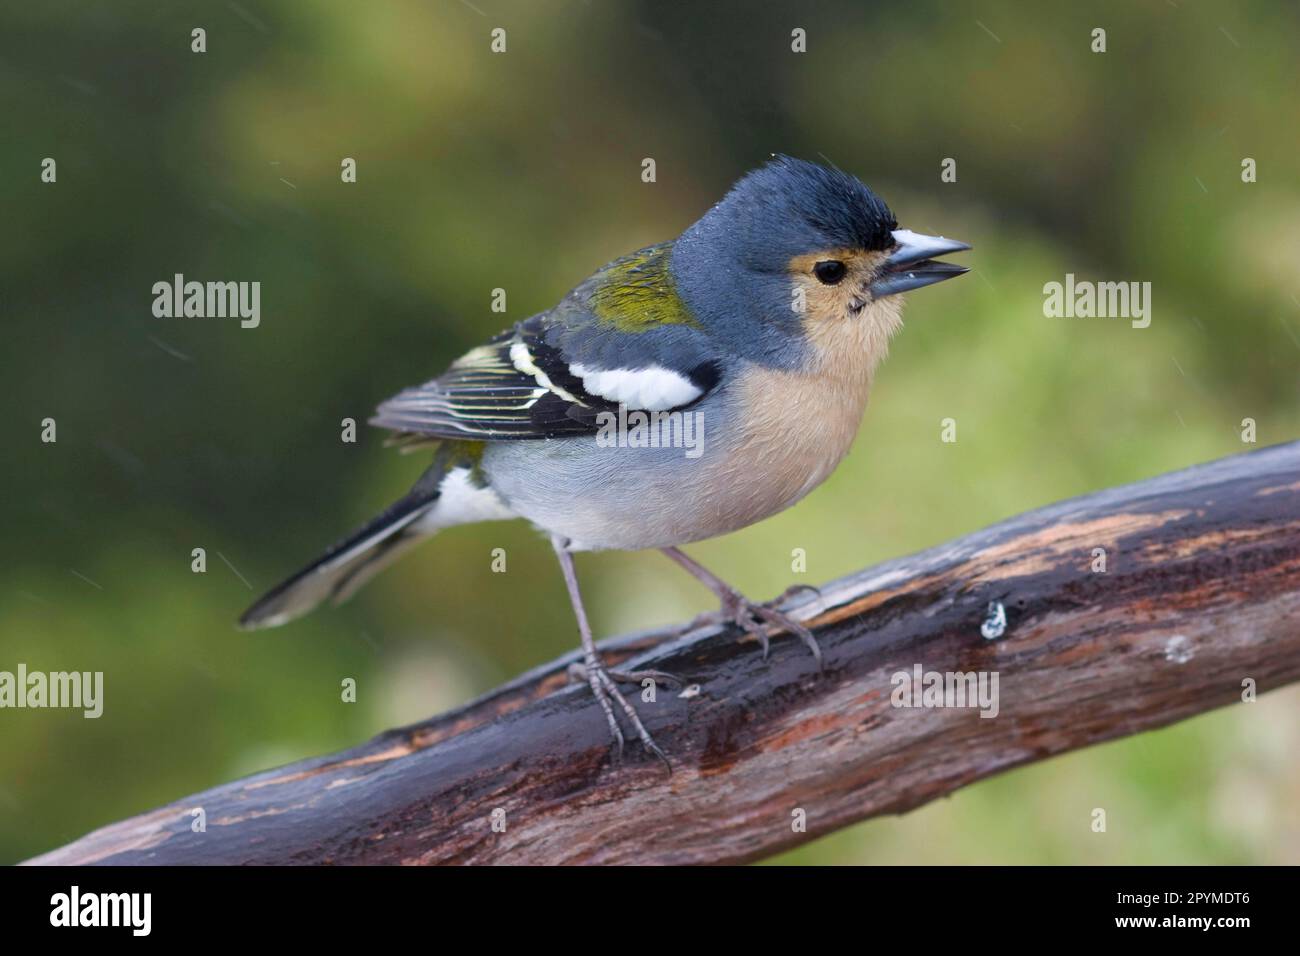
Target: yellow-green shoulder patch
(462, 453)
(636, 293)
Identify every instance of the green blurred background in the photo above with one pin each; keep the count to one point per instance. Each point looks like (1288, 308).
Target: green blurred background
(522, 170)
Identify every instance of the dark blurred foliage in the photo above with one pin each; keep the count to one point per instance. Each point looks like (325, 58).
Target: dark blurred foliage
(522, 170)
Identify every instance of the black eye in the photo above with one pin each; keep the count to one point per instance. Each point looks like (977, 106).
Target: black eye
(829, 271)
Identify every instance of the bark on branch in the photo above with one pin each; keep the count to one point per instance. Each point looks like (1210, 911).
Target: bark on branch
(1201, 591)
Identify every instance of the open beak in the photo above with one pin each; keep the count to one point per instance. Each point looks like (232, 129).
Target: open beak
(911, 264)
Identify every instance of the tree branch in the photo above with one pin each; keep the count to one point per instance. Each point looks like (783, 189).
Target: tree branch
(1200, 593)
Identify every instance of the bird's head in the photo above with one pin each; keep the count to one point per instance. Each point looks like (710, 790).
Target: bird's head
(797, 256)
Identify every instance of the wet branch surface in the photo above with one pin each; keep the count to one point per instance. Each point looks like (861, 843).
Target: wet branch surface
(1201, 591)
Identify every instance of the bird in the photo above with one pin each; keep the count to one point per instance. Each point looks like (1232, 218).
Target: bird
(758, 331)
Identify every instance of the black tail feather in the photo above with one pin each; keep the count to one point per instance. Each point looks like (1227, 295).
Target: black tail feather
(348, 564)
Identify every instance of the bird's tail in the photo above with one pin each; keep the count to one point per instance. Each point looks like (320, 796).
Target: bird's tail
(340, 571)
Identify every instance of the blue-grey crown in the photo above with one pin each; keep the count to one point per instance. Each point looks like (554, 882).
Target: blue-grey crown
(822, 205)
(731, 266)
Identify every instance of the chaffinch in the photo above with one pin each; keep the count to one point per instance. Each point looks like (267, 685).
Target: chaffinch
(684, 391)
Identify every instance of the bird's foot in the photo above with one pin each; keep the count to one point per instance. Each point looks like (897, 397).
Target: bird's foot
(758, 619)
(604, 687)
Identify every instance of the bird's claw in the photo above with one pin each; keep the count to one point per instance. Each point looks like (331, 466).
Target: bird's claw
(757, 620)
(604, 686)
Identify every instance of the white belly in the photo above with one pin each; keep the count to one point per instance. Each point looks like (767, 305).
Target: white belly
(789, 441)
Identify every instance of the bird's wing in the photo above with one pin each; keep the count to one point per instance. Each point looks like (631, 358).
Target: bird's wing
(622, 337)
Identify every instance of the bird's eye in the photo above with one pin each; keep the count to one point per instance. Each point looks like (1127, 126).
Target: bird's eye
(829, 271)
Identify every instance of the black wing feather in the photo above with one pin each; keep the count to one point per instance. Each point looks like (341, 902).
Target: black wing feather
(520, 384)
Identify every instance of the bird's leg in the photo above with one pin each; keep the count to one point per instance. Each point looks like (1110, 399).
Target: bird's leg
(751, 617)
(598, 678)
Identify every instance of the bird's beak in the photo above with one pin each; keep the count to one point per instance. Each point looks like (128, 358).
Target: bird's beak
(910, 264)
